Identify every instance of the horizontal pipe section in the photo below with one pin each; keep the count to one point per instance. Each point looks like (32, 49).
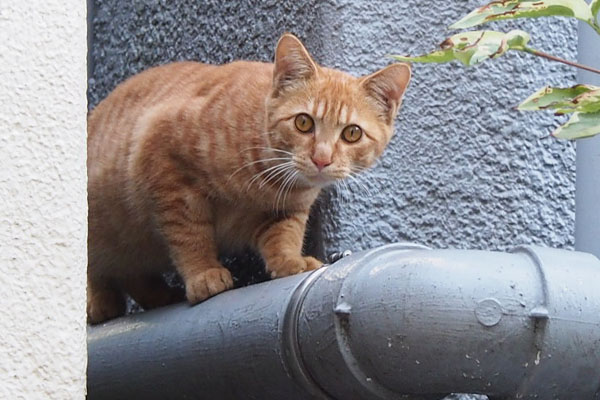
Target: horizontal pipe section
(396, 322)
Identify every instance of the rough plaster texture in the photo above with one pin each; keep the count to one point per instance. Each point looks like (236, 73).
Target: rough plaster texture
(464, 170)
(43, 214)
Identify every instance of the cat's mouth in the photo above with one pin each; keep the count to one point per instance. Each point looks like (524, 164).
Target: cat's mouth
(319, 179)
(311, 176)
(322, 179)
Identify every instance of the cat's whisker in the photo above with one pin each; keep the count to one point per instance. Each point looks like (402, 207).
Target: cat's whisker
(267, 148)
(255, 162)
(348, 190)
(282, 176)
(274, 174)
(291, 186)
(344, 191)
(283, 187)
(340, 192)
(268, 172)
(353, 174)
(357, 169)
(346, 185)
(281, 179)
(335, 188)
(360, 184)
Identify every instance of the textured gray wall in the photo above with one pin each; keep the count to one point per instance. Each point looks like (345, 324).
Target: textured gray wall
(464, 169)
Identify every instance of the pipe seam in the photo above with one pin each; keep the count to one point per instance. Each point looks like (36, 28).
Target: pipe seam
(342, 315)
(293, 360)
(538, 313)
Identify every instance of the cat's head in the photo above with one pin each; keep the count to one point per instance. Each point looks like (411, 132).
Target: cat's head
(332, 124)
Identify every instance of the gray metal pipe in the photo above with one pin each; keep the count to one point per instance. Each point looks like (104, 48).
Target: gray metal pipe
(587, 193)
(396, 322)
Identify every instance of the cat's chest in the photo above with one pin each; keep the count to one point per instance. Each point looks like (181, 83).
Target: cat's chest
(237, 219)
(235, 226)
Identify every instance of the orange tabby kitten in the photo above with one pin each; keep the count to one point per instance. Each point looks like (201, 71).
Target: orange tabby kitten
(189, 160)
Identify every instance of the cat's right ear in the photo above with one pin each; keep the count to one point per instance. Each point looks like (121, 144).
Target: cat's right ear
(386, 87)
(293, 64)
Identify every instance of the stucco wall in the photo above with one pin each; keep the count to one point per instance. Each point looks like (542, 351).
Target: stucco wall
(464, 169)
(43, 191)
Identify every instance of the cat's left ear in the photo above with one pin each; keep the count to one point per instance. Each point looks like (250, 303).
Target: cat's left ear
(386, 87)
(293, 64)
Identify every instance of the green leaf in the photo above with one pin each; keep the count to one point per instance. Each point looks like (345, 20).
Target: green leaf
(440, 56)
(595, 7)
(579, 126)
(511, 9)
(473, 47)
(579, 98)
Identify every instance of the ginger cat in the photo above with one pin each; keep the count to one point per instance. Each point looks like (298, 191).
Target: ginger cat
(187, 161)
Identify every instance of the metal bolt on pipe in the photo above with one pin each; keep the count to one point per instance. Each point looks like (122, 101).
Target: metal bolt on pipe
(397, 322)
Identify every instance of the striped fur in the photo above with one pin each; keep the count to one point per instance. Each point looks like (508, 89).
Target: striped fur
(187, 161)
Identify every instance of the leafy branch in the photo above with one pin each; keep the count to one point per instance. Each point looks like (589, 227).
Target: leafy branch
(561, 60)
(512, 9)
(474, 47)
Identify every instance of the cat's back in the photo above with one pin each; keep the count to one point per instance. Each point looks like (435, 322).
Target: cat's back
(177, 82)
(112, 124)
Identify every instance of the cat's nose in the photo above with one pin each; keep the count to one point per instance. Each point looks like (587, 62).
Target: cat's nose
(320, 163)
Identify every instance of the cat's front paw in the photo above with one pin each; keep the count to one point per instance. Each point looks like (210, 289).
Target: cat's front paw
(207, 283)
(292, 266)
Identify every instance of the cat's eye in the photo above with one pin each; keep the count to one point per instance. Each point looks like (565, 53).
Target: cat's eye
(304, 123)
(352, 133)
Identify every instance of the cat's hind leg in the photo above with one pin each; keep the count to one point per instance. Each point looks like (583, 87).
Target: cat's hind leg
(152, 291)
(105, 300)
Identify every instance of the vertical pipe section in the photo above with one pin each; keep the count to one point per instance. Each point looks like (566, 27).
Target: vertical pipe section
(90, 37)
(587, 195)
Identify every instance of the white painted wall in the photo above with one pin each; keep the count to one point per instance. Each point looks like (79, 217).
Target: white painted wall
(43, 209)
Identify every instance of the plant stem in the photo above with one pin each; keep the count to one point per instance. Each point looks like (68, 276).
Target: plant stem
(561, 60)
(595, 26)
